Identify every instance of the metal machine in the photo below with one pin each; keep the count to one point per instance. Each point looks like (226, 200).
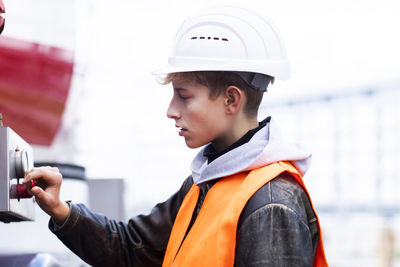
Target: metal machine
(16, 156)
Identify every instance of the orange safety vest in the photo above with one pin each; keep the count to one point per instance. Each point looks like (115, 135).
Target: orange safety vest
(212, 239)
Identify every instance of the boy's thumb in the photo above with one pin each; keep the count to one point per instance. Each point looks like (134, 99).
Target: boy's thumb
(38, 192)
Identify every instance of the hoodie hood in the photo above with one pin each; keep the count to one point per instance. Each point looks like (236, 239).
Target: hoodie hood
(265, 147)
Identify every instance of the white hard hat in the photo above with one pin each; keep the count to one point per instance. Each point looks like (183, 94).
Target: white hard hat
(226, 38)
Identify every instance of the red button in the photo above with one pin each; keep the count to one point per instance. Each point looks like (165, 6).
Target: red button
(22, 192)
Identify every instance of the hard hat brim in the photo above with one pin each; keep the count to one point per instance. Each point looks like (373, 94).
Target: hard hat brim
(278, 69)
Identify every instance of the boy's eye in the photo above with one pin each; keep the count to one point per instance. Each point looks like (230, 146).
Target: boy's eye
(183, 97)
(183, 94)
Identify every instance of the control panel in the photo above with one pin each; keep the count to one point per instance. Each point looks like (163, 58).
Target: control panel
(16, 157)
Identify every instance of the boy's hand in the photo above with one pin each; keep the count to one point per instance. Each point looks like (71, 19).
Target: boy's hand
(47, 191)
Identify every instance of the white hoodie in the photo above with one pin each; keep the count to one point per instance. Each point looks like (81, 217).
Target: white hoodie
(265, 147)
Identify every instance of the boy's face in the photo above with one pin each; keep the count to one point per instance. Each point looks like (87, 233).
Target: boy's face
(200, 119)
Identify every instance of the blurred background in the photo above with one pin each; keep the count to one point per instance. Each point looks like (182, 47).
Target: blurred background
(103, 110)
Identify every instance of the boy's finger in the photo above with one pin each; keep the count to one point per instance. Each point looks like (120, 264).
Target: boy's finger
(29, 175)
(54, 169)
(28, 171)
(38, 192)
(49, 168)
(42, 173)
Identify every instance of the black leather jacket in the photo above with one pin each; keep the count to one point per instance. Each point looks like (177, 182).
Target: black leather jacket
(277, 228)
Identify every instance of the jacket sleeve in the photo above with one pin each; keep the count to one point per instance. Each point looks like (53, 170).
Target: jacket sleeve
(274, 236)
(278, 228)
(100, 241)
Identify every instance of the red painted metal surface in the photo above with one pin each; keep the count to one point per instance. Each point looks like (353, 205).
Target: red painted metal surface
(34, 84)
(2, 10)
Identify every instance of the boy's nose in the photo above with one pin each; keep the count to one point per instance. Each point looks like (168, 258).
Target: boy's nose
(172, 112)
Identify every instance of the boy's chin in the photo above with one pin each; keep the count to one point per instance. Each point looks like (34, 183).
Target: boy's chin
(193, 145)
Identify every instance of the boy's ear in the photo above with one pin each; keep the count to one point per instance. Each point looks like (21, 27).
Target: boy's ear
(234, 99)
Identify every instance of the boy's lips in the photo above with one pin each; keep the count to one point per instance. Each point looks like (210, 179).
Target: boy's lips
(182, 130)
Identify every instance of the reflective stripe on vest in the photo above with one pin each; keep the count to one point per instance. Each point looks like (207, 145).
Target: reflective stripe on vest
(212, 239)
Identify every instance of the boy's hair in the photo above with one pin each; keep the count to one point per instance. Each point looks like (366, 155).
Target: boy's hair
(217, 82)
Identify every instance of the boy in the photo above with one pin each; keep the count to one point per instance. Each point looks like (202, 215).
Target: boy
(245, 203)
